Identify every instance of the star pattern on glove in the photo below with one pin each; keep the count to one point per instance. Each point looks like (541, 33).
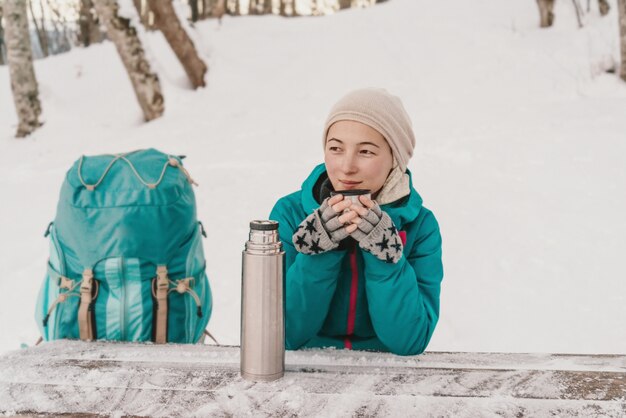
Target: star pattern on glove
(383, 244)
(310, 226)
(315, 248)
(311, 237)
(300, 241)
(383, 241)
(397, 245)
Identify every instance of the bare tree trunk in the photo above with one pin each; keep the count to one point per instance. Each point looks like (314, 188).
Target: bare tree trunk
(292, 8)
(1, 38)
(20, 59)
(139, 8)
(621, 8)
(604, 7)
(167, 22)
(61, 42)
(259, 7)
(145, 83)
(546, 14)
(44, 31)
(207, 5)
(578, 13)
(145, 15)
(218, 9)
(345, 4)
(88, 24)
(43, 38)
(193, 4)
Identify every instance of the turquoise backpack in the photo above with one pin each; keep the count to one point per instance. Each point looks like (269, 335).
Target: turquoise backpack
(126, 259)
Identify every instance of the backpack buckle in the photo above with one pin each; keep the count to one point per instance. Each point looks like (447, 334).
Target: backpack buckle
(160, 294)
(86, 320)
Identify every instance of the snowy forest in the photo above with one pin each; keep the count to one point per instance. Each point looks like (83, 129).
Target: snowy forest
(519, 126)
(59, 26)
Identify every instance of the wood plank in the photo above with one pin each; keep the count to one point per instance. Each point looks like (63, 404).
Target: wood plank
(149, 380)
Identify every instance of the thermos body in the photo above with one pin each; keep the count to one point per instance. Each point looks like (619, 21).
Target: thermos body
(262, 317)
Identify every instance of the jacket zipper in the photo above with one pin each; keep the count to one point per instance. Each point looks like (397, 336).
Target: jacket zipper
(354, 287)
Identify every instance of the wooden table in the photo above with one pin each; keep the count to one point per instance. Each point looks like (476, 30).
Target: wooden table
(123, 379)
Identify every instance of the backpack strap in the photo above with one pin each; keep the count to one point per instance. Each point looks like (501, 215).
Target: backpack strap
(160, 295)
(86, 320)
(63, 283)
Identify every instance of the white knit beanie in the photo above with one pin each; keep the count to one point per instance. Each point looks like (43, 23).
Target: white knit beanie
(381, 111)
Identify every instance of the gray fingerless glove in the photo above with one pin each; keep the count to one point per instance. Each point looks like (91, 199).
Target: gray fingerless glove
(321, 231)
(378, 235)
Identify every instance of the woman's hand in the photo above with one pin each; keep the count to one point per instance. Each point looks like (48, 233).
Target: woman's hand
(375, 231)
(325, 228)
(336, 214)
(366, 217)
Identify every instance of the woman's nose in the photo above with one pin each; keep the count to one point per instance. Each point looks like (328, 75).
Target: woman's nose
(348, 164)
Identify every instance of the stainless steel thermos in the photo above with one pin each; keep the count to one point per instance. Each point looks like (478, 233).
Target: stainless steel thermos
(262, 316)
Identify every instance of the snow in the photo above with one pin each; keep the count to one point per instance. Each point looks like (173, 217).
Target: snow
(123, 379)
(520, 154)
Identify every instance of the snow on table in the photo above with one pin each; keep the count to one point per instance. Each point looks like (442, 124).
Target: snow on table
(120, 379)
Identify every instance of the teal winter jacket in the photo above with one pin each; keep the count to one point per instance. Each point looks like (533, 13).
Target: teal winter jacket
(348, 298)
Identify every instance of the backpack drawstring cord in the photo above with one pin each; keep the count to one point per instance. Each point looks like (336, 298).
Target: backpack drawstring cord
(66, 284)
(171, 161)
(182, 286)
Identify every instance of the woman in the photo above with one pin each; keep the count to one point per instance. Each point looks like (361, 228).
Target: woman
(361, 276)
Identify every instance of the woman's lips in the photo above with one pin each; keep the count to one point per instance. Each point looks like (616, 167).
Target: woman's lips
(349, 184)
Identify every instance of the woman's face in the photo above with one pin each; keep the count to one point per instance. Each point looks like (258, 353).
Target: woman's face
(356, 157)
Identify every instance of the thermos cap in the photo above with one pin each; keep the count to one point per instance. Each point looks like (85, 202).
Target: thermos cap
(264, 225)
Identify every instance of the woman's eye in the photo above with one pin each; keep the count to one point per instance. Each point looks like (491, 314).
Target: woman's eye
(367, 152)
(333, 149)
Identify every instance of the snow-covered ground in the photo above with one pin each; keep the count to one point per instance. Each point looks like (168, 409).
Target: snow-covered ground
(520, 153)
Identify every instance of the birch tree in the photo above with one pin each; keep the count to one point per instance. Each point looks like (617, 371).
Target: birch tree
(604, 7)
(145, 15)
(218, 8)
(195, 13)
(167, 22)
(205, 5)
(145, 83)
(288, 8)
(259, 7)
(621, 8)
(1, 37)
(20, 59)
(253, 7)
(546, 13)
(88, 24)
(345, 4)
